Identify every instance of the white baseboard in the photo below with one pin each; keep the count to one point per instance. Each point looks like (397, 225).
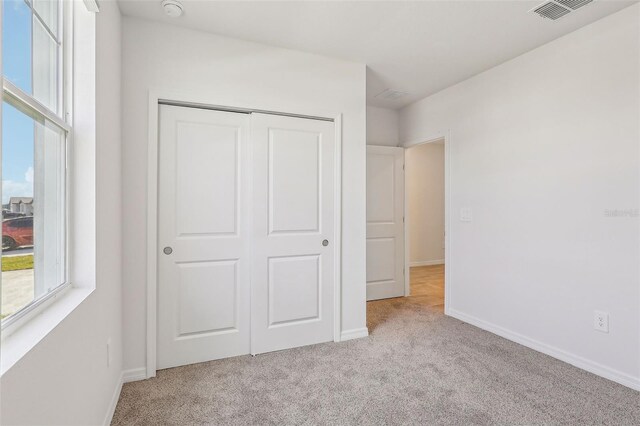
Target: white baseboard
(114, 402)
(134, 375)
(356, 333)
(575, 360)
(426, 263)
(126, 376)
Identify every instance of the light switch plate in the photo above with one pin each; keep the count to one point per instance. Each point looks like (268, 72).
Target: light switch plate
(466, 214)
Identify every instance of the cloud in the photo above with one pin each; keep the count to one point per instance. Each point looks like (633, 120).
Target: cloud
(28, 175)
(12, 188)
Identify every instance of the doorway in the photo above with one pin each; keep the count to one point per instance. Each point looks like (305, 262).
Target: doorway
(425, 221)
(247, 230)
(407, 245)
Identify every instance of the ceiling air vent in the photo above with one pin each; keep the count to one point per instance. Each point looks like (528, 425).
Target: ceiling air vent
(558, 8)
(573, 4)
(551, 10)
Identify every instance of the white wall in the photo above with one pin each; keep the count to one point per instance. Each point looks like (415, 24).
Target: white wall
(232, 72)
(541, 147)
(382, 126)
(65, 379)
(424, 166)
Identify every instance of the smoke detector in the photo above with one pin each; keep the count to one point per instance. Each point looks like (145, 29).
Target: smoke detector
(556, 9)
(172, 8)
(391, 95)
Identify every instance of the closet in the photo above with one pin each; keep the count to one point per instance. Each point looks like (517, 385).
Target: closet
(246, 222)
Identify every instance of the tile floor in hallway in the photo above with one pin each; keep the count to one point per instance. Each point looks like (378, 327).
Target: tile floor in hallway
(427, 290)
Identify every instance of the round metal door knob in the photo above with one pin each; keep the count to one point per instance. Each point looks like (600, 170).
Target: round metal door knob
(167, 250)
(325, 243)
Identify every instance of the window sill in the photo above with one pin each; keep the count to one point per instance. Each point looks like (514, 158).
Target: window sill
(27, 336)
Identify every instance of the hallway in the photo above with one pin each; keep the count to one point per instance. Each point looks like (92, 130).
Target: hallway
(427, 284)
(427, 290)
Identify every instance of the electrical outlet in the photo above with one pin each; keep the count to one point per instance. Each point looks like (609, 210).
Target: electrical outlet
(466, 214)
(601, 321)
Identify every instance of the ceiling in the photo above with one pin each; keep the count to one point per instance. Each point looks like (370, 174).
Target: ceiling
(416, 47)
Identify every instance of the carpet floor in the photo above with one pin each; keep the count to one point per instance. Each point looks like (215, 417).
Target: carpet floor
(416, 367)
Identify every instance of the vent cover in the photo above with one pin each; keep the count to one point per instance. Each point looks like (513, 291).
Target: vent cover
(391, 95)
(551, 10)
(573, 4)
(556, 9)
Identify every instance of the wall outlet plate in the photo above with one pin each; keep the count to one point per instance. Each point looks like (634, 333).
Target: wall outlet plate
(601, 321)
(466, 214)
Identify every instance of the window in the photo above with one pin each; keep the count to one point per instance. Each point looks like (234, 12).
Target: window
(34, 152)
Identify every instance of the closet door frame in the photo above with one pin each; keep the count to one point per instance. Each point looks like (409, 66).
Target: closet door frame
(156, 98)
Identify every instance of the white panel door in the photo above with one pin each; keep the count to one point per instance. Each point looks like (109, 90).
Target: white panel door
(385, 222)
(293, 232)
(203, 236)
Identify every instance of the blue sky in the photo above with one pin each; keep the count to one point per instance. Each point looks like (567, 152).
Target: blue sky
(17, 128)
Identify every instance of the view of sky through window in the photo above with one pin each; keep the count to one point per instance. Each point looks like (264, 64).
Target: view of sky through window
(18, 131)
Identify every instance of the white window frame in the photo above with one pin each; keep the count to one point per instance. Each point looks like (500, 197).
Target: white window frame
(27, 103)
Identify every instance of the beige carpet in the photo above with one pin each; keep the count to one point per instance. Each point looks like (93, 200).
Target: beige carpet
(417, 367)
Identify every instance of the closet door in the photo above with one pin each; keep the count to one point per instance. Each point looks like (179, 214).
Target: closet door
(203, 236)
(293, 232)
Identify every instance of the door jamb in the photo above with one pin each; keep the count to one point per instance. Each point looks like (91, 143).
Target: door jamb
(193, 100)
(446, 136)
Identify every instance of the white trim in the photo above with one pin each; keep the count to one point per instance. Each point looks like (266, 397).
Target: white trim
(355, 333)
(111, 409)
(448, 261)
(134, 375)
(155, 97)
(27, 103)
(152, 234)
(337, 203)
(14, 321)
(426, 263)
(433, 138)
(222, 108)
(405, 218)
(575, 360)
(446, 136)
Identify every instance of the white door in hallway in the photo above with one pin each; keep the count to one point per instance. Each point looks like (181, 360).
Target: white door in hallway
(294, 220)
(203, 235)
(385, 222)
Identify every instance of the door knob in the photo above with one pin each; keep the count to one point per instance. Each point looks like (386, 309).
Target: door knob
(325, 243)
(167, 250)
